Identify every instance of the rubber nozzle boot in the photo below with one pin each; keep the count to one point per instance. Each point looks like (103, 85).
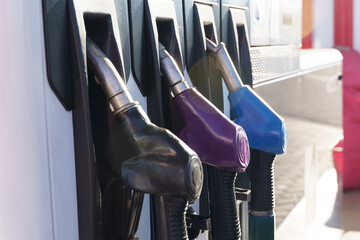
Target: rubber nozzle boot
(216, 139)
(156, 161)
(265, 129)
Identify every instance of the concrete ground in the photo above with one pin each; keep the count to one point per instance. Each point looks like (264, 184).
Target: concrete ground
(290, 167)
(308, 203)
(331, 215)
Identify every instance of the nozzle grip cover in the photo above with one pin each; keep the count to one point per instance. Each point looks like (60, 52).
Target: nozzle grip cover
(265, 129)
(157, 162)
(217, 140)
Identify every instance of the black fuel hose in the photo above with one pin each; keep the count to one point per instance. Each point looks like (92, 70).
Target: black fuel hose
(262, 181)
(231, 212)
(225, 223)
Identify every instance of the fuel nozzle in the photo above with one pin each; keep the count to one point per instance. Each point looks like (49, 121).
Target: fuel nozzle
(224, 64)
(171, 71)
(266, 130)
(154, 160)
(217, 140)
(109, 79)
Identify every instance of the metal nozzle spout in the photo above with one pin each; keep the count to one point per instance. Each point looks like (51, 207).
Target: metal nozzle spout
(108, 77)
(225, 65)
(171, 72)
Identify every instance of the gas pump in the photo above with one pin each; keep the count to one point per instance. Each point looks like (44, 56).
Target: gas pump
(203, 21)
(119, 153)
(96, 131)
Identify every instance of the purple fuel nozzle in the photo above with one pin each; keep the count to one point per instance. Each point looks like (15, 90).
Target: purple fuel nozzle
(216, 139)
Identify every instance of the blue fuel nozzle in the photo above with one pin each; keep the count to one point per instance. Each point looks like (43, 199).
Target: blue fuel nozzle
(265, 129)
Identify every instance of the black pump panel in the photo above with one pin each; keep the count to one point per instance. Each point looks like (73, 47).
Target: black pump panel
(152, 21)
(57, 46)
(163, 26)
(57, 50)
(202, 20)
(158, 24)
(96, 19)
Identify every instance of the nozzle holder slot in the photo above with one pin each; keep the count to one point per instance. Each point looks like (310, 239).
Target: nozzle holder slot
(203, 22)
(236, 37)
(159, 22)
(57, 47)
(57, 50)
(100, 29)
(97, 19)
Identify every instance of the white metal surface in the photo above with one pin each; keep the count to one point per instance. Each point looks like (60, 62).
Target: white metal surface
(271, 62)
(356, 26)
(285, 22)
(323, 24)
(275, 22)
(37, 173)
(313, 93)
(311, 59)
(259, 22)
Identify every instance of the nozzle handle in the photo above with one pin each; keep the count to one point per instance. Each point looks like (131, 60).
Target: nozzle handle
(225, 65)
(171, 72)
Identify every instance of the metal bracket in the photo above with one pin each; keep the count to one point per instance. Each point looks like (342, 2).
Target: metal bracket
(198, 222)
(243, 194)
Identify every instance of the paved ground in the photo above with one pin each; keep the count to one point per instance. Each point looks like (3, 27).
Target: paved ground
(290, 167)
(331, 215)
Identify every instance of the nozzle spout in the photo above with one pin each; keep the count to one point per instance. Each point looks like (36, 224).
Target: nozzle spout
(171, 72)
(108, 77)
(225, 65)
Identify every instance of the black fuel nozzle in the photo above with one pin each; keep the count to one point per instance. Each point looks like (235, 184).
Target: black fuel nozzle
(154, 161)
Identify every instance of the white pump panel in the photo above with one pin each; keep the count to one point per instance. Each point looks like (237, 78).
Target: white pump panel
(37, 173)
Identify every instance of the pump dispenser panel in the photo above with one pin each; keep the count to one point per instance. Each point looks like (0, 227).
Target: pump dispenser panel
(158, 20)
(121, 153)
(183, 108)
(87, 16)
